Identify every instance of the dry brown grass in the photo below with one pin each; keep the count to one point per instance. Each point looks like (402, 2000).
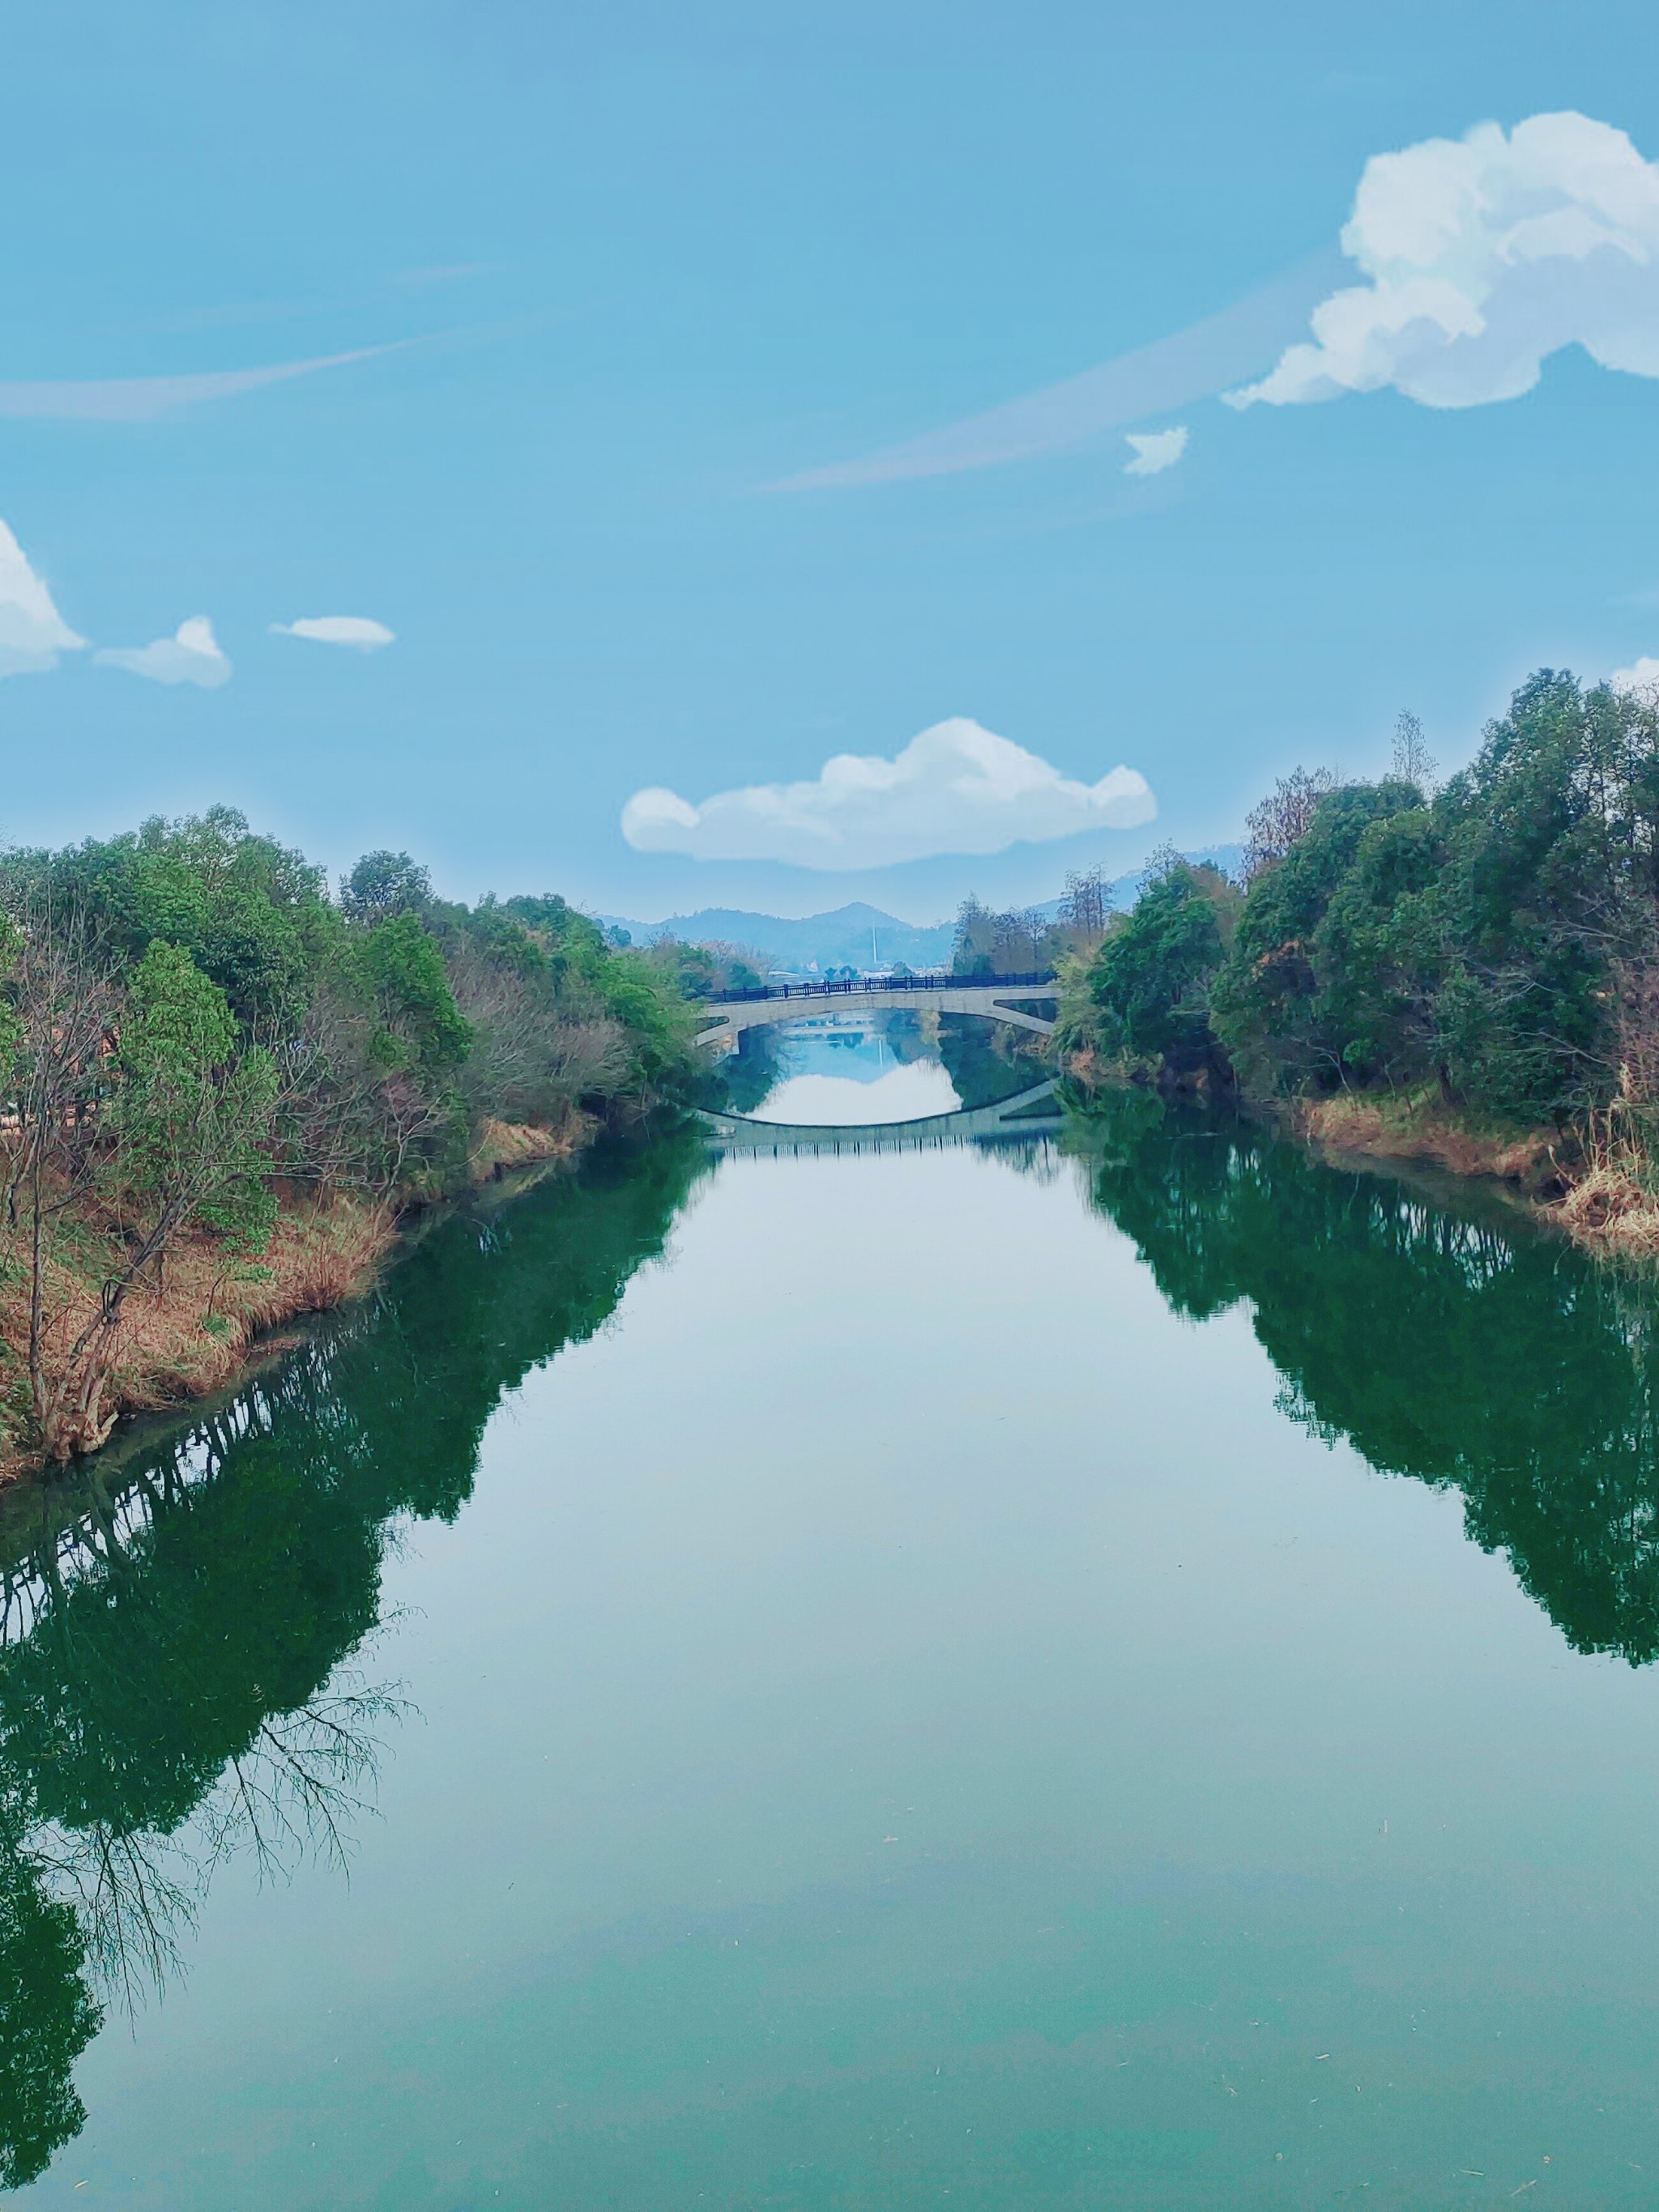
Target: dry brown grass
(520, 1144)
(1610, 1213)
(190, 1333)
(1091, 1070)
(1413, 1126)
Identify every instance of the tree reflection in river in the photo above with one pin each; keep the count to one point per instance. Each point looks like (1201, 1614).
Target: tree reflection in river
(176, 1682)
(1442, 1335)
(188, 1627)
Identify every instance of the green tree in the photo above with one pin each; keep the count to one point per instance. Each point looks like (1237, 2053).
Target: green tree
(384, 883)
(401, 972)
(1150, 982)
(183, 1143)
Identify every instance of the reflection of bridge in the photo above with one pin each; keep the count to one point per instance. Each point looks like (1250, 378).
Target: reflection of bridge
(1000, 1001)
(1029, 1113)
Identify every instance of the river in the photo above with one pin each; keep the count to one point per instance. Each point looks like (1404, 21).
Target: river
(1110, 1666)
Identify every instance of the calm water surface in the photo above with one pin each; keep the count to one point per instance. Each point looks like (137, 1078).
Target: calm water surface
(1114, 1671)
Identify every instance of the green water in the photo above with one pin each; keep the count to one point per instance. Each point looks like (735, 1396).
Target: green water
(1113, 1673)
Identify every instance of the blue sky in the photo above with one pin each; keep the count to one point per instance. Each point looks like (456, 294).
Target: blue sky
(633, 267)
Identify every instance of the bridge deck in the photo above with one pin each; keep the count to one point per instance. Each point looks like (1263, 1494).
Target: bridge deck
(989, 1000)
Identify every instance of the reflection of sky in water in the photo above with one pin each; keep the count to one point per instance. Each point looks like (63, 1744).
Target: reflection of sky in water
(901, 1094)
(874, 1068)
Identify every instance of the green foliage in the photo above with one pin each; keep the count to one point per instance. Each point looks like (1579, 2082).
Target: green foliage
(1150, 979)
(698, 971)
(1494, 939)
(193, 1108)
(384, 883)
(636, 993)
(185, 1018)
(401, 973)
(573, 942)
(251, 913)
(1297, 992)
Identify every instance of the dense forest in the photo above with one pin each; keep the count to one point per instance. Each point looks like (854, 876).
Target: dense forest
(1486, 949)
(222, 1086)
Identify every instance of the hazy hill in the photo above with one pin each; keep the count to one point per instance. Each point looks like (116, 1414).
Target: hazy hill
(856, 936)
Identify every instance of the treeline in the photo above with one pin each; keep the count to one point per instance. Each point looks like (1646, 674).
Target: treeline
(195, 1036)
(1028, 940)
(1491, 945)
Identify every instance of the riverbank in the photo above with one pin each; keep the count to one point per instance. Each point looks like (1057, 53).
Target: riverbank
(1591, 1194)
(1591, 1191)
(198, 1329)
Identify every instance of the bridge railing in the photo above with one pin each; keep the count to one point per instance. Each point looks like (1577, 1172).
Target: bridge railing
(849, 986)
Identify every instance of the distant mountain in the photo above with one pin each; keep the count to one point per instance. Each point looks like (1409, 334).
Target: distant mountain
(857, 936)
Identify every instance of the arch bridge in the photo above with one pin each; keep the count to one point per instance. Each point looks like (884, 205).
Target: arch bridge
(998, 1001)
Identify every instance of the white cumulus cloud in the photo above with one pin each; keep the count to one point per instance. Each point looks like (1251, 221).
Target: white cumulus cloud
(1483, 256)
(32, 631)
(190, 655)
(1154, 451)
(954, 788)
(1643, 675)
(356, 631)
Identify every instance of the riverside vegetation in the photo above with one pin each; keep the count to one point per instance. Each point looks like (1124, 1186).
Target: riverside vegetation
(223, 1088)
(1469, 974)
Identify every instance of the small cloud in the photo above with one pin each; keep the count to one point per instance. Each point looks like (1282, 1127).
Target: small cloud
(190, 655)
(1483, 256)
(1155, 451)
(954, 788)
(355, 631)
(32, 631)
(1643, 675)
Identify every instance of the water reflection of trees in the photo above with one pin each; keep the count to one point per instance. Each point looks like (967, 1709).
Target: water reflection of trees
(988, 1060)
(182, 1675)
(1451, 1342)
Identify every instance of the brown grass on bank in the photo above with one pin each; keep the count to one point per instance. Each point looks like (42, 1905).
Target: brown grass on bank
(1613, 1206)
(520, 1143)
(1610, 1213)
(1419, 1125)
(1599, 1193)
(191, 1334)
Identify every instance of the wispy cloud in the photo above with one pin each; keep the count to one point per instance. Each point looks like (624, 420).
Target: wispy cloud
(954, 788)
(359, 631)
(32, 631)
(1483, 256)
(145, 398)
(1154, 380)
(1643, 675)
(1155, 451)
(190, 655)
